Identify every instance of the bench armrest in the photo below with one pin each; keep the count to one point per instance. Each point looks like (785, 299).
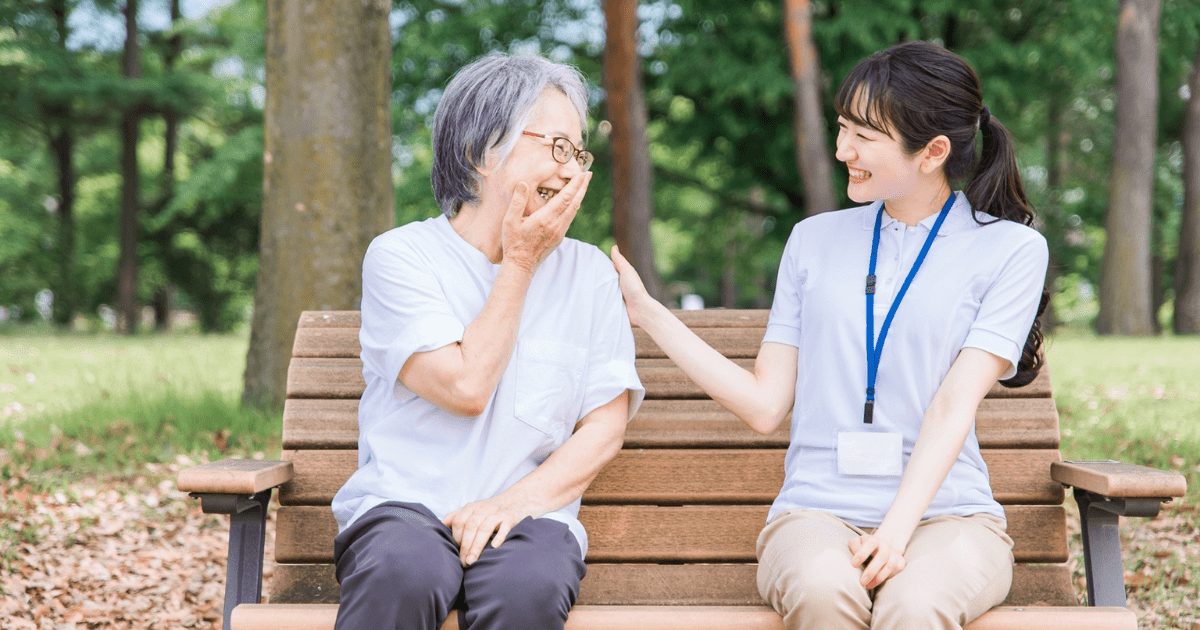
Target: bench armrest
(234, 476)
(242, 489)
(1104, 492)
(1119, 481)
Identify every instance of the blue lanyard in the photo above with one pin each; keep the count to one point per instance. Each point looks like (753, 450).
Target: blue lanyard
(874, 352)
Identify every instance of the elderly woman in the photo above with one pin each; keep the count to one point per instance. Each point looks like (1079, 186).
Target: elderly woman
(499, 371)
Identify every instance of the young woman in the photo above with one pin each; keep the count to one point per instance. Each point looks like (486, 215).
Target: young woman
(890, 323)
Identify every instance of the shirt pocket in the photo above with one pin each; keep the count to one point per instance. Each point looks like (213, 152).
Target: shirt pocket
(548, 385)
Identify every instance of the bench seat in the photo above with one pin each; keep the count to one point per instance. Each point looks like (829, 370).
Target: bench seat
(584, 617)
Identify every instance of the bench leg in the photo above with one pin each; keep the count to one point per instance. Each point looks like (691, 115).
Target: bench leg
(1099, 525)
(247, 540)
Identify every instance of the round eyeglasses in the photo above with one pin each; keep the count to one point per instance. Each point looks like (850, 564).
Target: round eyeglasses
(563, 150)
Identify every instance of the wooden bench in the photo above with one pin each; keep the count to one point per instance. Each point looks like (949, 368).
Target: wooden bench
(674, 518)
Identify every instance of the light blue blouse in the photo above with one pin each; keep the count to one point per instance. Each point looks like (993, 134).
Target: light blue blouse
(979, 287)
(422, 286)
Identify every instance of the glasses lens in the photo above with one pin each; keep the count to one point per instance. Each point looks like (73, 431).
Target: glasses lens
(585, 159)
(562, 150)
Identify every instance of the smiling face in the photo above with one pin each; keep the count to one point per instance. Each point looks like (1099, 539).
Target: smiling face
(877, 164)
(531, 160)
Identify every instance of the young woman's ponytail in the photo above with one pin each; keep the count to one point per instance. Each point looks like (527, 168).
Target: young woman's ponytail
(995, 187)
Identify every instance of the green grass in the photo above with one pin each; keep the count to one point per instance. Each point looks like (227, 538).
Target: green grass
(79, 404)
(1132, 399)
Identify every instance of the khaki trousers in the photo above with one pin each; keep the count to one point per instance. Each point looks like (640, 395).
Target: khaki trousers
(958, 568)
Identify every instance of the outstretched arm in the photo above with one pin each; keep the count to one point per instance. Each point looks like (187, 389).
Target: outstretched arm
(761, 398)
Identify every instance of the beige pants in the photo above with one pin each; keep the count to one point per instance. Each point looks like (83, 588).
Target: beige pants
(958, 568)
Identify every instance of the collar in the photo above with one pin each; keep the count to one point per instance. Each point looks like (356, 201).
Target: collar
(959, 219)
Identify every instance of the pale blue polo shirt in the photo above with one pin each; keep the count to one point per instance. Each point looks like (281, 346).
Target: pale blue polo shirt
(422, 286)
(978, 287)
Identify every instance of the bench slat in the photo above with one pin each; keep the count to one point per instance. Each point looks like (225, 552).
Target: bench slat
(674, 584)
(646, 533)
(1000, 423)
(342, 343)
(585, 617)
(708, 318)
(682, 476)
(342, 378)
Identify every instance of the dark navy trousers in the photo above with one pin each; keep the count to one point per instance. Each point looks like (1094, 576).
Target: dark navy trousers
(398, 568)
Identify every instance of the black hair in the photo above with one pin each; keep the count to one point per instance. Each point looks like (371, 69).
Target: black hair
(916, 91)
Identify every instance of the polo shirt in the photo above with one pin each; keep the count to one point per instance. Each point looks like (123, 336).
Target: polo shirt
(422, 286)
(979, 287)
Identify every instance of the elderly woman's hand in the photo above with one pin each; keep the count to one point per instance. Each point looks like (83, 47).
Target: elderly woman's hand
(527, 240)
(476, 524)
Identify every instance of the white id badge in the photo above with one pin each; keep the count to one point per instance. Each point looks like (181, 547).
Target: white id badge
(870, 454)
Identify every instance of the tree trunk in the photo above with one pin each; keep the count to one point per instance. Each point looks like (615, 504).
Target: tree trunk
(1187, 263)
(327, 188)
(127, 306)
(62, 148)
(162, 294)
(812, 150)
(1125, 294)
(631, 170)
(1057, 139)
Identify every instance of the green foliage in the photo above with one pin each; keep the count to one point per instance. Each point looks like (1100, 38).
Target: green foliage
(718, 91)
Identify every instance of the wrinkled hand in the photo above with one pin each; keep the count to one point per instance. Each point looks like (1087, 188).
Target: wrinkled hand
(527, 240)
(879, 556)
(637, 299)
(474, 523)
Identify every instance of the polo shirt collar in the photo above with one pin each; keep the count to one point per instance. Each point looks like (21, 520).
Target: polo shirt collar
(959, 219)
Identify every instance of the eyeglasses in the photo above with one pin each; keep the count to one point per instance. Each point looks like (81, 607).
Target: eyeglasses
(563, 150)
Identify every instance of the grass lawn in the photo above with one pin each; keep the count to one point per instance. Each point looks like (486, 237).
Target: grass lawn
(76, 404)
(1136, 400)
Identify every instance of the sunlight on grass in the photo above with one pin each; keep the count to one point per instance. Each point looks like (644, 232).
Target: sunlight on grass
(80, 404)
(1132, 399)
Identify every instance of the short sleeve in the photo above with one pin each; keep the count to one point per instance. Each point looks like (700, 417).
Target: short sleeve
(1008, 308)
(610, 366)
(404, 309)
(783, 325)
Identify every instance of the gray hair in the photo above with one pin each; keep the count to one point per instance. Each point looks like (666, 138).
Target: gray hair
(481, 114)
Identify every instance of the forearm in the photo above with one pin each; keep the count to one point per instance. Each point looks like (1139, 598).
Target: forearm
(938, 445)
(760, 402)
(568, 471)
(488, 342)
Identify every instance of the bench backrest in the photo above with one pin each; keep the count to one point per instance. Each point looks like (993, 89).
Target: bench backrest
(674, 518)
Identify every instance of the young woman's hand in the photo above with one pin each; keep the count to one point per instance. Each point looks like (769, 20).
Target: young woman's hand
(527, 240)
(879, 555)
(637, 299)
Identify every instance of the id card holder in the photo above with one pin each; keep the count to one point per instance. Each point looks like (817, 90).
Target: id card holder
(870, 454)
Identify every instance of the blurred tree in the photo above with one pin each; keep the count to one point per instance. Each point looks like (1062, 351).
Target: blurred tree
(632, 172)
(812, 147)
(1125, 281)
(327, 170)
(127, 303)
(170, 115)
(1187, 264)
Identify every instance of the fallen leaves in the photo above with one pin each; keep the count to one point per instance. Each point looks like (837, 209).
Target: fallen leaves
(118, 553)
(1162, 561)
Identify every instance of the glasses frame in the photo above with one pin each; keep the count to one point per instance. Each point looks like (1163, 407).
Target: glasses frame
(583, 157)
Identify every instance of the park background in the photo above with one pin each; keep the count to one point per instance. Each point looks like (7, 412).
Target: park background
(142, 222)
